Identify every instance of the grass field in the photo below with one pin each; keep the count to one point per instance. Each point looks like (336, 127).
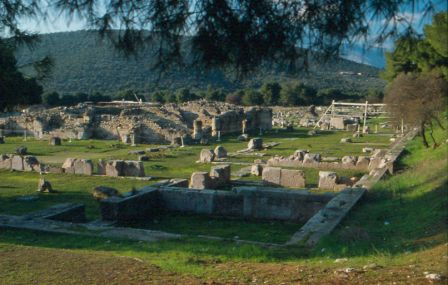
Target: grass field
(398, 233)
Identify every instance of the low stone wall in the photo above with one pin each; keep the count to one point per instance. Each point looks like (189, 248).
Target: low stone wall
(19, 162)
(286, 162)
(136, 207)
(243, 202)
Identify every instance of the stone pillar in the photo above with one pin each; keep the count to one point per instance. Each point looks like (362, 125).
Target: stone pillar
(216, 126)
(197, 129)
(244, 126)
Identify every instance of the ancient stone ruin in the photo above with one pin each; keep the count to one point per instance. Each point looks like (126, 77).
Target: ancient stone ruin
(197, 120)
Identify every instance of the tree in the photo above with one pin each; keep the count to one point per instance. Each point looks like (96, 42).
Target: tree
(15, 89)
(215, 94)
(271, 93)
(418, 100)
(374, 96)
(235, 97)
(252, 97)
(241, 34)
(158, 96)
(184, 95)
(51, 99)
(290, 95)
(413, 53)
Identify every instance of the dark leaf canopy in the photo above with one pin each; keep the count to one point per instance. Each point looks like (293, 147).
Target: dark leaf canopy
(240, 34)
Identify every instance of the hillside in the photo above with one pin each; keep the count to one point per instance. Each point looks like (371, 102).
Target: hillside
(85, 63)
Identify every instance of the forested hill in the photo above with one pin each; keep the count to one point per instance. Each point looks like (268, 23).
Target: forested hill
(84, 63)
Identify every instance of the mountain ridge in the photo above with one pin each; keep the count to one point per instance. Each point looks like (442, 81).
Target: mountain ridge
(86, 63)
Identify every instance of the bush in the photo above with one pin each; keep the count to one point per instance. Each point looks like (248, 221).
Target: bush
(51, 99)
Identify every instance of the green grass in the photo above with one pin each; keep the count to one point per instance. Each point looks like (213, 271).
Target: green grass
(189, 224)
(181, 162)
(413, 203)
(71, 188)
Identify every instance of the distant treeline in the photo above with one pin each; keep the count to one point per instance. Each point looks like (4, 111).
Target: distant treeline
(269, 94)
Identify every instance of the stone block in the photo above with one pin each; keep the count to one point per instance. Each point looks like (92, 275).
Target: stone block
(255, 144)
(83, 166)
(44, 186)
(337, 123)
(17, 163)
(327, 180)
(363, 162)
(143, 158)
(300, 154)
(221, 173)
(256, 170)
(30, 163)
(200, 180)
(114, 168)
(220, 152)
(133, 168)
(367, 149)
(271, 175)
(351, 127)
(292, 178)
(349, 160)
(55, 141)
(101, 167)
(206, 156)
(55, 169)
(346, 140)
(5, 161)
(311, 158)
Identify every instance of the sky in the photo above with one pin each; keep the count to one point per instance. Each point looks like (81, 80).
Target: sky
(369, 53)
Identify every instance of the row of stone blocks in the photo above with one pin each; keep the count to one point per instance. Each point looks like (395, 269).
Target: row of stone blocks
(112, 168)
(277, 176)
(243, 202)
(19, 162)
(219, 176)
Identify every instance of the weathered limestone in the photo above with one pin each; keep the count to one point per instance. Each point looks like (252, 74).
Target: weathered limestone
(292, 178)
(327, 180)
(17, 163)
(44, 186)
(5, 161)
(349, 160)
(337, 123)
(220, 175)
(256, 170)
(55, 141)
(300, 154)
(133, 168)
(255, 144)
(104, 192)
(197, 130)
(363, 162)
(351, 127)
(206, 156)
(311, 158)
(114, 168)
(283, 177)
(243, 137)
(30, 163)
(220, 152)
(346, 140)
(367, 149)
(78, 166)
(200, 180)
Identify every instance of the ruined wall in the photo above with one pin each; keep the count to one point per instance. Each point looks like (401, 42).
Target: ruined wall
(135, 123)
(243, 202)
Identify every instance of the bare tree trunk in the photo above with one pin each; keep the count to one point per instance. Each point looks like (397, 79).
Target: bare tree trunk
(434, 145)
(422, 132)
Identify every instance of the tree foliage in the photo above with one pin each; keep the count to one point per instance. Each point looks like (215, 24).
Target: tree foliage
(418, 99)
(413, 53)
(241, 34)
(15, 89)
